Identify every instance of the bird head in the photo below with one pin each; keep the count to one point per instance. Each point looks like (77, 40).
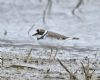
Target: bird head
(39, 32)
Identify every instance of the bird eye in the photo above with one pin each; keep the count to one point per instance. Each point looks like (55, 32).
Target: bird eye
(37, 30)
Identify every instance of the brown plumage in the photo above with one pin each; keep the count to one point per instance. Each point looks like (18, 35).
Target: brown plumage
(51, 34)
(44, 33)
(56, 35)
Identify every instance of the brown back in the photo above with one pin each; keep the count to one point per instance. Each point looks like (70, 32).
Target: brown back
(56, 35)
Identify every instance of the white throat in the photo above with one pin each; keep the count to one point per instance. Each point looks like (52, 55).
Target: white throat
(44, 35)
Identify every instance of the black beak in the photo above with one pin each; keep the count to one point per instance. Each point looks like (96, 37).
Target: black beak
(35, 34)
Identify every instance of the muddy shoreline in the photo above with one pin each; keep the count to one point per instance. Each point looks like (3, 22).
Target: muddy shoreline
(38, 65)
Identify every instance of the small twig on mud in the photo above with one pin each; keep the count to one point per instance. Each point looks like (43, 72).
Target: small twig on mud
(52, 77)
(76, 7)
(1, 61)
(5, 32)
(30, 29)
(48, 8)
(83, 69)
(88, 75)
(21, 66)
(72, 76)
(27, 58)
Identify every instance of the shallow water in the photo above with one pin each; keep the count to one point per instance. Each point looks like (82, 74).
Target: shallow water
(17, 17)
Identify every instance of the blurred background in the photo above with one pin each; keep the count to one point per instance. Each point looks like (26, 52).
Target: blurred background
(79, 18)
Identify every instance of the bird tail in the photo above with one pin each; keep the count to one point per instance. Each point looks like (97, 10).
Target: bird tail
(73, 38)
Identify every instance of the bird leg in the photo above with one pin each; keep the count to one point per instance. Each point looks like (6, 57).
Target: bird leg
(28, 56)
(50, 54)
(55, 53)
